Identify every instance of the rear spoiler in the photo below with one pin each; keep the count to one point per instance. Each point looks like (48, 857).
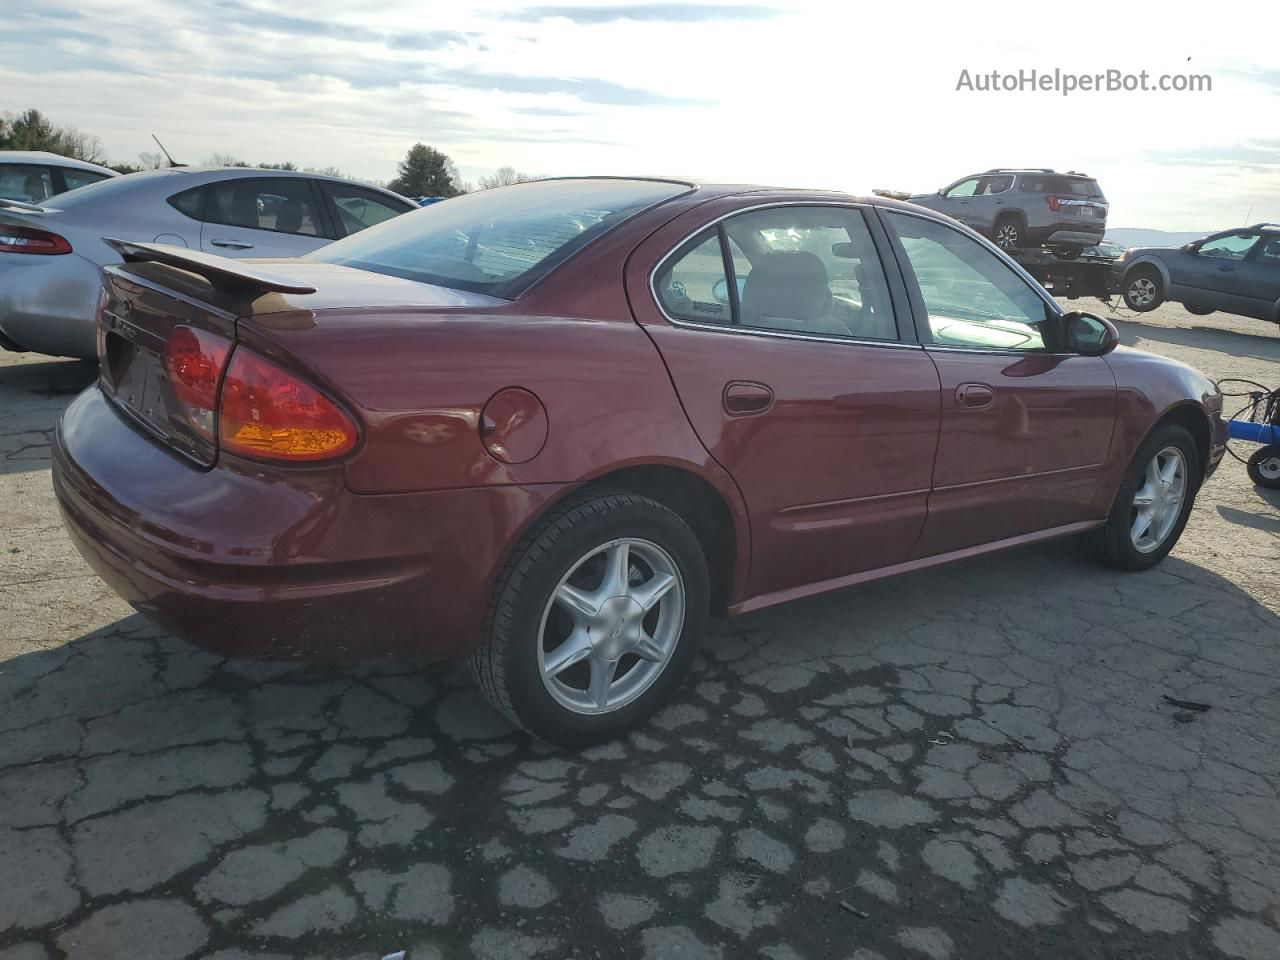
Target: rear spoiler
(231, 276)
(23, 207)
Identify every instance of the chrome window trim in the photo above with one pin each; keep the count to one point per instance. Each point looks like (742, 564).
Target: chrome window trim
(761, 331)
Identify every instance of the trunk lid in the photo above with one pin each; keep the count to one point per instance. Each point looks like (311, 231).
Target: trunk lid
(159, 289)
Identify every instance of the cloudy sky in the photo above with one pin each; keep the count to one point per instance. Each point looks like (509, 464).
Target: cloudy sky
(792, 92)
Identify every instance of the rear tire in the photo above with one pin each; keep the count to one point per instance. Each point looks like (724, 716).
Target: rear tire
(1264, 466)
(1143, 290)
(1008, 232)
(1153, 503)
(570, 649)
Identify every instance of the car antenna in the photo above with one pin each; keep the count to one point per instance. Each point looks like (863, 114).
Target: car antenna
(166, 152)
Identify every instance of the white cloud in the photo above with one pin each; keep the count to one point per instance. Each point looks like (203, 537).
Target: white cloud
(811, 93)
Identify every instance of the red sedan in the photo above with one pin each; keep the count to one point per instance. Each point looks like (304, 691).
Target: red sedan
(552, 427)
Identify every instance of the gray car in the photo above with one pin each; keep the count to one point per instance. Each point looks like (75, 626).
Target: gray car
(34, 176)
(51, 252)
(1236, 271)
(1026, 207)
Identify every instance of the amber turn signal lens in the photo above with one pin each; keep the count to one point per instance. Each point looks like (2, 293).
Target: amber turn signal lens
(266, 411)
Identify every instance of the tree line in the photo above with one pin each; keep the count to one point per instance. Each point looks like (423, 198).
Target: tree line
(424, 171)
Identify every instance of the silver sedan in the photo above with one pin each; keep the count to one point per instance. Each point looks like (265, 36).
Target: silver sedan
(51, 252)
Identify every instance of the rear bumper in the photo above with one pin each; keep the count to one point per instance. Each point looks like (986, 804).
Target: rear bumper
(47, 304)
(299, 568)
(1083, 234)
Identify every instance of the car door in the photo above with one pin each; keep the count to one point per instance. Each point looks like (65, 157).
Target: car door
(985, 205)
(1208, 273)
(794, 358)
(1259, 277)
(263, 217)
(959, 200)
(1025, 428)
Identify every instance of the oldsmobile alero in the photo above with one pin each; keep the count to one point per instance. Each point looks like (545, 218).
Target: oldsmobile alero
(553, 427)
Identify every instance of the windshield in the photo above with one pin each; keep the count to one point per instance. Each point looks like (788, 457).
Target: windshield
(499, 241)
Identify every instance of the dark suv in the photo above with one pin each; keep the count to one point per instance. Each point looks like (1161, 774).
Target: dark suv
(1236, 271)
(1026, 207)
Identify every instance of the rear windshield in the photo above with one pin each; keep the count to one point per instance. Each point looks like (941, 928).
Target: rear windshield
(500, 241)
(1063, 186)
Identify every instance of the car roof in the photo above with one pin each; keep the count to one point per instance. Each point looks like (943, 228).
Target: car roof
(53, 159)
(231, 173)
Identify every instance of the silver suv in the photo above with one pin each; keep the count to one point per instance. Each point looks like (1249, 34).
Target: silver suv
(1026, 207)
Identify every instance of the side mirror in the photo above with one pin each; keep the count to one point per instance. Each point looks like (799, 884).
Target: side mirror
(1088, 335)
(941, 191)
(1191, 247)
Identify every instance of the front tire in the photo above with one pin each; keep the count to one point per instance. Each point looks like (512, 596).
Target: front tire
(1154, 501)
(1198, 310)
(1143, 291)
(595, 619)
(1264, 466)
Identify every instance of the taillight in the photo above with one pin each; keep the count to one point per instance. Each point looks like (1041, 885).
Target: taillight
(1055, 203)
(266, 411)
(31, 240)
(195, 360)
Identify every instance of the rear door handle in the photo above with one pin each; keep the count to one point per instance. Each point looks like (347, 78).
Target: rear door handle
(975, 396)
(1226, 268)
(232, 244)
(743, 398)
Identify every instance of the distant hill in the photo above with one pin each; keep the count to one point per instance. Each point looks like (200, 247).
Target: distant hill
(1137, 237)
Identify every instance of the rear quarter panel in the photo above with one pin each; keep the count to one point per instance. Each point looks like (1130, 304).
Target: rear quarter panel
(420, 382)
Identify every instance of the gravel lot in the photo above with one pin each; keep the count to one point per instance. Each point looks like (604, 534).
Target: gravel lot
(969, 762)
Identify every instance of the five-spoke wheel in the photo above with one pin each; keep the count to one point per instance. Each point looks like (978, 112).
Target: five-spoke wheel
(595, 619)
(611, 626)
(1151, 507)
(1158, 502)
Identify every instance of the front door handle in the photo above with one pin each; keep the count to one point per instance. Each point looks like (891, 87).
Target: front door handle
(743, 398)
(1226, 268)
(975, 396)
(232, 244)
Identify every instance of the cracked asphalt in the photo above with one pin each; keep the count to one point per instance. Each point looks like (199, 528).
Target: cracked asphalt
(969, 762)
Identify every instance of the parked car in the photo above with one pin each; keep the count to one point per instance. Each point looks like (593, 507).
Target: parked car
(1236, 271)
(1104, 250)
(559, 464)
(34, 176)
(50, 253)
(1026, 208)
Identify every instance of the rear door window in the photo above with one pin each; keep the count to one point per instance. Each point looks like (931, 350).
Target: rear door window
(805, 270)
(358, 209)
(27, 182)
(278, 204)
(79, 178)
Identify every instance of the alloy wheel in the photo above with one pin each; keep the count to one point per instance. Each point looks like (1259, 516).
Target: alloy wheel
(1142, 291)
(611, 626)
(1157, 504)
(1007, 236)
